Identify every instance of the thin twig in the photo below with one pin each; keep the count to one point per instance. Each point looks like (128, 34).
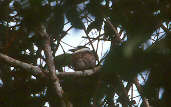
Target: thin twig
(132, 90)
(62, 48)
(62, 35)
(164, 28)
(90, 42)
(97, 44)
(68, 44)
(93, 39)
(88, 37)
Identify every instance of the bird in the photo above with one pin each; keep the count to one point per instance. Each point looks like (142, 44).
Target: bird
(83, 58)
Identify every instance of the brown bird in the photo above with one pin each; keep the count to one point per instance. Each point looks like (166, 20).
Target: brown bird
(83, 58)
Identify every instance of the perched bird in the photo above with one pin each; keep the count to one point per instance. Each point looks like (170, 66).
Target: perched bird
(83, 58)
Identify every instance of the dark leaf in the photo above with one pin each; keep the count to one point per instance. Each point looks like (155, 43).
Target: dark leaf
(73, 17)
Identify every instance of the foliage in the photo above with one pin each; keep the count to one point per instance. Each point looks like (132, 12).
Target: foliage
(144, 27)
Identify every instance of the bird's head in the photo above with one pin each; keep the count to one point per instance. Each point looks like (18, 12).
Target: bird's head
(80, 49)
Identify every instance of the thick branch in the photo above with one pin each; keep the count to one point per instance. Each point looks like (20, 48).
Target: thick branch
(36, 71)
(55, 85)
(114, 29)
(48, 52)
(146, 103)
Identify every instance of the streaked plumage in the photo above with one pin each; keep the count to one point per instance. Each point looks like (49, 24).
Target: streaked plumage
(83, 58)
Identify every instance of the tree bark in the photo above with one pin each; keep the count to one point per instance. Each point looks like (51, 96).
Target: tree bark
(54, 84)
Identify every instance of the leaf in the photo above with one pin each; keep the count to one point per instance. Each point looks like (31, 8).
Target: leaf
(55, 22)
(95, 8)
(73, 16)
(127, 67)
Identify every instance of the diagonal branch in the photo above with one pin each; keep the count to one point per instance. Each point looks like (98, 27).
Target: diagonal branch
(136, 81)
(36, 71)
(91, 43)
(146, 103)
(114, 29)
(54, 80)
(165, 28)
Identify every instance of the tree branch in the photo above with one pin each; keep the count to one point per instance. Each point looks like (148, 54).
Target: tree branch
(164, 28)
(146, 103)
(54, 80)
(136, 81)
(88, 72)
(90, 41)
(114, 29)
(36, 71)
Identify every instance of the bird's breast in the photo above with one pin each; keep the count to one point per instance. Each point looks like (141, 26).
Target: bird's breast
(83, 60)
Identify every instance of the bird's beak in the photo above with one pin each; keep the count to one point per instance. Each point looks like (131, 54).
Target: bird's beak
(72, 50)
